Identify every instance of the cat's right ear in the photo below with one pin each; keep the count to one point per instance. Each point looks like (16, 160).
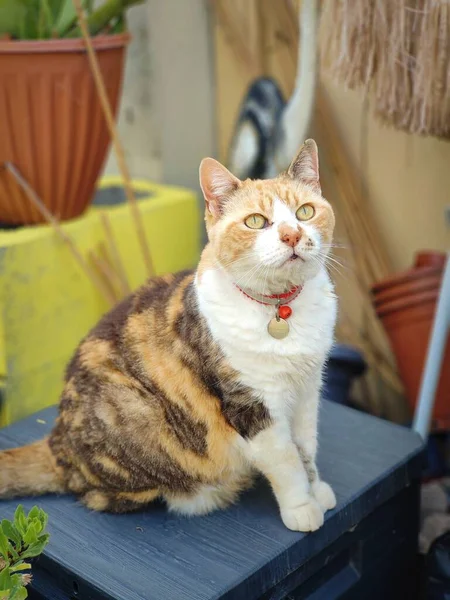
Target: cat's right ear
(217, 185)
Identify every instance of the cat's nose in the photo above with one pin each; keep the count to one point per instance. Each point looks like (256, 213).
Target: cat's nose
(290, 236)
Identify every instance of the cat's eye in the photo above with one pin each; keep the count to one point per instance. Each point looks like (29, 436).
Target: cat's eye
(305, 212)
(256, 222)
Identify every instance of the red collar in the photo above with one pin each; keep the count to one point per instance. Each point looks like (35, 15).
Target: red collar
(274, 299)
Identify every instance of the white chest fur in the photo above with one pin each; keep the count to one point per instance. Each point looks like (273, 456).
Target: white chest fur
(276, 369)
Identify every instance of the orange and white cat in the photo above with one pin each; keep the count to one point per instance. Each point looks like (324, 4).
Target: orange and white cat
(199, 380)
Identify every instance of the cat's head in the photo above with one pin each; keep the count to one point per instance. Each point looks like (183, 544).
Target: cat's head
(268, 234)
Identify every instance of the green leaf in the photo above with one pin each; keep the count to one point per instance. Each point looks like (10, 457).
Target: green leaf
(25, 14)
(13, 553)
(5, 579)
(34, 513)
(18, 591)
(31, 535)
(11, 532)
(37, 525)
(5, 546)
(66, 17)
(12, 13)
(45, 20)
(20, 594)
(103, 15)
(20, 521)
(43, 518)
(119, 26)
(22, 566)
(36, 548)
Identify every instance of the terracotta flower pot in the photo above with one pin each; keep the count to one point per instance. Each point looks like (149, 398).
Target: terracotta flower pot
(408, 322)
(52, 127)
(407, 289)
(406, 277)
(430, 258)
(403, 303)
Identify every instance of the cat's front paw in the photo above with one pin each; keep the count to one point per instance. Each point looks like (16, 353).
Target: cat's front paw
(307, 517)
(324, 495)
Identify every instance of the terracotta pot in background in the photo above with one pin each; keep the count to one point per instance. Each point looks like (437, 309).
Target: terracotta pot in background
(409, 331)
(397, 305)
(52, 127)
(407, 289)
(406, 305)
(405, 277)
(430, 258)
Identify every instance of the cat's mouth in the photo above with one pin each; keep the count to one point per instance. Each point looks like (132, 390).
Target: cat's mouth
(295, 256)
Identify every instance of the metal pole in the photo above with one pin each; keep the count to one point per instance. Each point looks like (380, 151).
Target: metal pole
(435, 356)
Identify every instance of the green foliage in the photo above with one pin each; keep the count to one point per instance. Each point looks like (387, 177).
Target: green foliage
(22, 538)
(48, 19)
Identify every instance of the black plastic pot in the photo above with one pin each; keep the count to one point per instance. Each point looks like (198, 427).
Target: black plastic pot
(437, 570)
(344, 365)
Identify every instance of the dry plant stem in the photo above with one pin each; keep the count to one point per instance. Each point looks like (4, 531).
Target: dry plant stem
(106, 273)
(113, 278)
(345, 330)
(378, 334)
(115, 255)
(385, 373)
(360, 221)
(375, 356)
(37, 202)
(101, 90)
(371, 262)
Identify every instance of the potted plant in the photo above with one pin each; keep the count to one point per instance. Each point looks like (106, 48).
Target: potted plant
(52, 127)
(22, 539)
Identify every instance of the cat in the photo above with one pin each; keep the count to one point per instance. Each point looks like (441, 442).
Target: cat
(181, 392)
(258, 131)
(270, 128)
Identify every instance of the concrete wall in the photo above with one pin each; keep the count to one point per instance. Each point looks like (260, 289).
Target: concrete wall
(167, 114)
(138, 127)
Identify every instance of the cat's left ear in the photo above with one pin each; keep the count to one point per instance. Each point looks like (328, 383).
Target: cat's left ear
(305, 166)
(217, 185)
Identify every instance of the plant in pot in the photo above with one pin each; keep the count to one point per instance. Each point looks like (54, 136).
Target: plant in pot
(21, 540)
(52, 127)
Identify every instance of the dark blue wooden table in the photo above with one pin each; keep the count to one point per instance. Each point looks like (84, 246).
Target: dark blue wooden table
(366, 548)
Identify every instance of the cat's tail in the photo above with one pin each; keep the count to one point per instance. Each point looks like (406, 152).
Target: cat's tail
(29, 471)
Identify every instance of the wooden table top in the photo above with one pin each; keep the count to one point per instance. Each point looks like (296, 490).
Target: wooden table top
(238, 553)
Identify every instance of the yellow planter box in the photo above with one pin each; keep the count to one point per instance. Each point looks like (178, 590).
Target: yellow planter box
(48, 303)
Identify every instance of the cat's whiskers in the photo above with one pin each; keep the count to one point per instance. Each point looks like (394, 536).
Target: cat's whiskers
(265, 278)
(335, 245)
(330, 257)
(248, 276)
(234, 261)
(340, 268)
(322, 260)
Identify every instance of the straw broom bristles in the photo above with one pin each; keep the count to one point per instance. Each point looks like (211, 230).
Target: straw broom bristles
(398, 52)
(349, 23)
(431, 92)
